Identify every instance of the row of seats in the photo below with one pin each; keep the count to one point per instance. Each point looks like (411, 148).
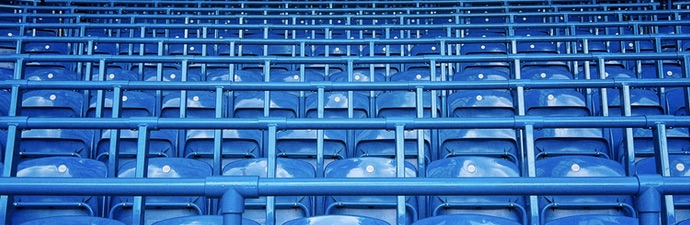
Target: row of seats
(162, 41)
(251, 104)
(511, 208)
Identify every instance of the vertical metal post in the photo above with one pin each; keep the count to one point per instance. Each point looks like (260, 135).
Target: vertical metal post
(628, 132)
(272, 164)
(531, 172)
(139, 202)
(231, 207)
(218, 135)
(400, 169)
(663, 167)
(319, 134)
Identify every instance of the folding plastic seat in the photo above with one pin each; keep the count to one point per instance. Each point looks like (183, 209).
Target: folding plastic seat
(46, 48)
(476, 74)
(380, 207)
(52, 103)
(251, 105)
(170, 74)
(163, 207)
(192, 49)
(8, 47)
(73, 220)
(301, 144)
(286, 207)
(200, 104)
(116, 74)
(55, 142)
(642, 102)
(546, 73)
(415, 75)
(402, 104)
(484, 49)
(133, 104)
(294, 76)
(199, 220)
(554, 208)
(498, 143)
(669, 70)
(235, 144)
(336, 219)
(40, 73)
(336, 105)
(135, 49)
(358, 75)
(224, 75)
(677, 142)
(34, 207)
(505, 207)
(161, 143)
(675, 98)
(381, 143)
(611, 72)
(555, 102)
(572, 141)
(425, 49)
(464, 219)
(481, 103)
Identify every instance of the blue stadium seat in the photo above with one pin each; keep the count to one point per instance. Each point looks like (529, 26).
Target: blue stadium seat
(251, 105)
(611, 72)
(464, 219)
(380, 207)
(555, 102)
(163, 207)
(192, 49)
(571, 141)
(26, 208)
(546, 73)
(414, 75)
(116, 74)
(677, 142)
(200, 104)
(381, 143)
(52, 103)
(56, 142)
(133, 104)
(557, 207)
(478, 74)
(199, 220)
(402, 104)
(162, 143)
(301, 144)
(481, 103)
(170, 74)
(336, 219)
(223, 75)
(677, 105)
(669, 70)
(500, 143)
(40, 73)
(336, 105)
(73, 220)
(595, 219)
(359, 75)
(46, 48)
(235, 144)
(287, 207)
(642, 101)
(505, 207)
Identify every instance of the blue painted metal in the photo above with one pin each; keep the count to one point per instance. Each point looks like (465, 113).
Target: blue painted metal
(73, 220)
(465, 219)
(337, 219)
(200, 220)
